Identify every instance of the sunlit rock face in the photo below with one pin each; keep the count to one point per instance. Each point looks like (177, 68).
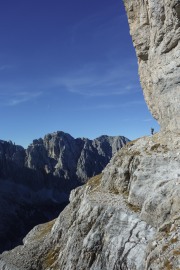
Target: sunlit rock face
(128, 217)
(75, 160)
(155, 30)
(35, 183)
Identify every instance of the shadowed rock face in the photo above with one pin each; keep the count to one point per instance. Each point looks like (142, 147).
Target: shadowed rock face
(155, 30)
(35, 183)
(128, 217)
(78, 159)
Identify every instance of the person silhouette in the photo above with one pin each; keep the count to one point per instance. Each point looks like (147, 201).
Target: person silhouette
(152, 131)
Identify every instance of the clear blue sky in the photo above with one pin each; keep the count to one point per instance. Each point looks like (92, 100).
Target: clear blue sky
(68, 65)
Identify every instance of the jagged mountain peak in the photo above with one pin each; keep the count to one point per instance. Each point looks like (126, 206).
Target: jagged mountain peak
(128, 217)
(35, 183)
(71, 158)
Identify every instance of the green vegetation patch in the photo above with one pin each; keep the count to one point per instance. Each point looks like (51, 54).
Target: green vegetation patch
(131, 143)
(176, 252)
(155, 146)
(165, 228)
(51, 258)
(168, 265)
(44, 229)
(95, 181)
(114, 190)
(133, 207)
(174, 240)
(159, 148)
(165, 248)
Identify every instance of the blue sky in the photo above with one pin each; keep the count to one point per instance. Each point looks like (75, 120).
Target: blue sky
(68, 65)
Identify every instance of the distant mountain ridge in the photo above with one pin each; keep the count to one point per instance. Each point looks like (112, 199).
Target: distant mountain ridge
(35, 183)
(79, 159)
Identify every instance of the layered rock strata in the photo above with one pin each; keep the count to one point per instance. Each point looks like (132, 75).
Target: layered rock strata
(78, 159)
(35, 183)
(155, 30)
(125, 218)
(128, 218)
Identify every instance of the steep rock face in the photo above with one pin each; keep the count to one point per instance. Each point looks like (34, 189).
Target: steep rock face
(155, 29)
(12, 157)
(128, 218)
(125, 218)
(94, 239)
(72, 159)
(27, 197)
(35, 184)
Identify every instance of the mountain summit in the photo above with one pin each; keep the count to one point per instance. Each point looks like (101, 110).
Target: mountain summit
(35, 183)
(72, 159)
(128, 217)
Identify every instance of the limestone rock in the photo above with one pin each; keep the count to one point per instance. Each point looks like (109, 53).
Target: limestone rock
(128, 217)
(121, 219)
(155, 30)
(142, 167)
(35, 184)
(103, 233)
(12, 158)
(72, 159)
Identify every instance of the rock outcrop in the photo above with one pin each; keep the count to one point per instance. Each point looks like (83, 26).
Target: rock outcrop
(35, 183)
(72, 159)
(155, 30)
(125, 218)
(128, 217)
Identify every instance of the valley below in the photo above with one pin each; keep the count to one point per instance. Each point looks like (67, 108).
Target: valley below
(35, 183)
(124, 204)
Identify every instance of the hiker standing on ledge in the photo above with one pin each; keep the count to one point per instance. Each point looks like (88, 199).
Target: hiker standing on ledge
(152, 131)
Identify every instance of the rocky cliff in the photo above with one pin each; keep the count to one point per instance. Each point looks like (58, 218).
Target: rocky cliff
(72, 159)
(35, 183)
(128, 217)
(155, 30)
(125, 218)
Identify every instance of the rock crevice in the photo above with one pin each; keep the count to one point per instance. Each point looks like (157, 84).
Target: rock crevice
(128, 217)
(155, 30)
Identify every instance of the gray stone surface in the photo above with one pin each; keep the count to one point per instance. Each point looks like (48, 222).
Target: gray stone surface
(35, 183)
(103, 233)
(72, 159)
(121, 219)
(155, 30)
(127, 218)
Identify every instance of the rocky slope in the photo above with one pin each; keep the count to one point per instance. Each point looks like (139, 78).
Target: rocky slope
(35, 183)
(125, 218)
(128, 217)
